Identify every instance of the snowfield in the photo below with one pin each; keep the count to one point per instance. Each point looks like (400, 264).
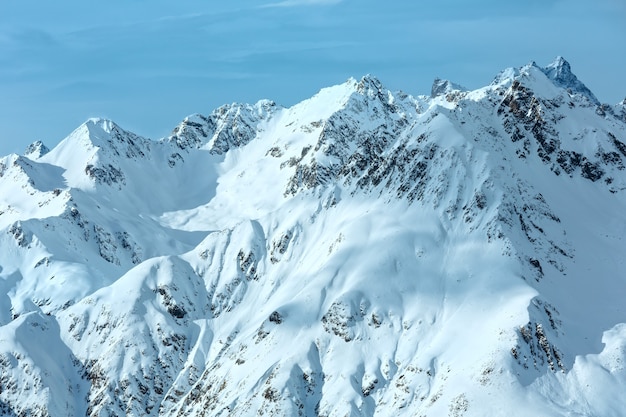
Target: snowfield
(362, 253)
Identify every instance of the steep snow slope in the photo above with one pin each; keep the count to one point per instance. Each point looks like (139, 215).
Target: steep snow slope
(361, 253)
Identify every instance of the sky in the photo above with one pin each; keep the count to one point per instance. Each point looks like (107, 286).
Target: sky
(148, 64)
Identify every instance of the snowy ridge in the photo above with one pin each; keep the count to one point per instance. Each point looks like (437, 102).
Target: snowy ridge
(364, 252)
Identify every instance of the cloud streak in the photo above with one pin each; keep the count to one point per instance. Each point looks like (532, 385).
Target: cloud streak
(298, 3)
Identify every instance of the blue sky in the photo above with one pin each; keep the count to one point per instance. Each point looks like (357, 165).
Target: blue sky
(148, 64)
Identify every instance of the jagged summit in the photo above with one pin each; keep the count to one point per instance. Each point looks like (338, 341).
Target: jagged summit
(103, 135)
(106, 125)
(561, 68)
(36, 150)
(369, 85)
(363, 252)
(441, 87)
(560, 72)
(228, 126)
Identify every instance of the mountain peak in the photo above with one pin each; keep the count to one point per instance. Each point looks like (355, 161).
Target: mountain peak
(36, 150)
(99, 124)
(369, 84)
(230, 125)
(506, 76)
(560, 72)
(441, 87)
(561, 65)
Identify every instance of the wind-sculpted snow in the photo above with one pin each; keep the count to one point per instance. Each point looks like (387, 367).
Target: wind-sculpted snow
(364, 252)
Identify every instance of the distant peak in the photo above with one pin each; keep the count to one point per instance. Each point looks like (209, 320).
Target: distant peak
(560, 62)
(36, 150)
(369, 83)
(506, 76)
(106, 125)
(441, 87)
(560, 72)
(560, 69)
(106, 138)
(261, 107)
(265, 104)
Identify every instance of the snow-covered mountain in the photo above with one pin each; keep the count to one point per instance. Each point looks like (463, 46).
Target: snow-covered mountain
(362, 253)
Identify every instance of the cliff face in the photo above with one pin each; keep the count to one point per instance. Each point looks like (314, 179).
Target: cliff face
(364, 252)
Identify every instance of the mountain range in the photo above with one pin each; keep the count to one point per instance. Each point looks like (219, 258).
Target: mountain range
(362, 253)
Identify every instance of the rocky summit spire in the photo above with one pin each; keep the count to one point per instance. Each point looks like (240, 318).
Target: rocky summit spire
(36, 150)
(441, 87)
(561, 67)
(560, 72)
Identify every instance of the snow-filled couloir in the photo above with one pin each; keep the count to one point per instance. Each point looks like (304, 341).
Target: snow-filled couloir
(362, 253)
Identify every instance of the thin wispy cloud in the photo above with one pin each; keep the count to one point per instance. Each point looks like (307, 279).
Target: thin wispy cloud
(296, 3)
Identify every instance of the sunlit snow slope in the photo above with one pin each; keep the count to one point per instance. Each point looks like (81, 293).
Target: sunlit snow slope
(363, 253)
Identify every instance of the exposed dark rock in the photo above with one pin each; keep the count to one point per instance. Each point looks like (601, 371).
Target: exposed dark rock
(276, 317)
